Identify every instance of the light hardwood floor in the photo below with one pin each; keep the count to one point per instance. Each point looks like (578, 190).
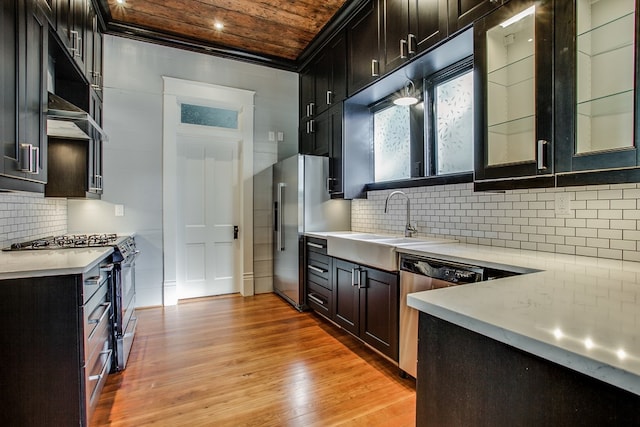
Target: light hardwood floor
(233, 361)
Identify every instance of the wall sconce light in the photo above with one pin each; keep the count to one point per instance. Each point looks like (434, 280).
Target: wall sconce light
(408, 95)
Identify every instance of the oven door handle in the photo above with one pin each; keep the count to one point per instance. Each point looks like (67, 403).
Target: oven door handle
(130, 259)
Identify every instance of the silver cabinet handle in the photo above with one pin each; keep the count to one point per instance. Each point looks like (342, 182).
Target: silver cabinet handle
(312, 107)
(317, 269)
(315, 245)
(403, 48)
(355, 276)
(411, 41)
(107, 268)
(312, 126)
(375, 68)
(360, 284)
(329, 96)
(541, 160)
(29, 158)
(315, 299)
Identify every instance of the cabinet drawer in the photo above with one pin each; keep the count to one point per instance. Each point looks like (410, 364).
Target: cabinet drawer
(319, 299)
(318, 269)
(316, 245)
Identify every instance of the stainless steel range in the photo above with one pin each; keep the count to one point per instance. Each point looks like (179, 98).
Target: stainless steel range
(124, 300)
(122, 288)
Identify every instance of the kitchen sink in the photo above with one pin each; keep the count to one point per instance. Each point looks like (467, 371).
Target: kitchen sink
(375, 250)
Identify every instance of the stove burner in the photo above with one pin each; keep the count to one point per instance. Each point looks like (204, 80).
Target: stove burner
(67, 241)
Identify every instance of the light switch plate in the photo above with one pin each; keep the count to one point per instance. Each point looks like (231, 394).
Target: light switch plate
(563, 204)
(272, 135)
(119, 210)
(280, 136)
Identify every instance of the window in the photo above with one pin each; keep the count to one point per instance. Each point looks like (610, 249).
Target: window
(452, 122)
(208, 116)
(392, 143)
(423, 142)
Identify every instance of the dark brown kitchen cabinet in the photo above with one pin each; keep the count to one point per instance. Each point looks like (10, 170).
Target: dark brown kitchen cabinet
(330, 70)
(364, 48)
(94, 50)
(24, 39)
(487, 380)
(464, 12)
(75, 167)
(56, 348)
(410, 27)
(71, 25)
(319, 286)
(596, 47)
(335, 119)
(513, 64)
(366, 305)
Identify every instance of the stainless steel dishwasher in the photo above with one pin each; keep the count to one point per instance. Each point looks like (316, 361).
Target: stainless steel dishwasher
(418, 274)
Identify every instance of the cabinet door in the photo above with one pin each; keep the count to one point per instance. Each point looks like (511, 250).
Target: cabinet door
(329, 70)
(513, 75)
(597, 72)
(8, 80)
(307, 93)
(347, 296)
(71, 27)
(379, 310)
(336, 158)
(363, 48)
(464, 12)
(427, 24)
(395, 31)
(27, 158)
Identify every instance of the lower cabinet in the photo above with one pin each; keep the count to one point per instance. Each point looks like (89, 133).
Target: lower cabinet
(57, 347)
(362, 300)
(366, 304)
(468, 379)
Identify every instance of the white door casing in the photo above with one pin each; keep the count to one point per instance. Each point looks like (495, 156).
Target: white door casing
(176, 92)
(206, 214)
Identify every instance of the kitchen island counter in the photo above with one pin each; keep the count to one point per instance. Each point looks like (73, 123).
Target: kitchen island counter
(47, 262)
(579, 312)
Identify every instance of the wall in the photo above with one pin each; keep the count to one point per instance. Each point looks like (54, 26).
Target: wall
(604, 220)
(133, 155)
(27, 216)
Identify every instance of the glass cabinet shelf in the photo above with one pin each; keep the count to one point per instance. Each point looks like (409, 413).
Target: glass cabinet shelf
(618, 103)
(514, 73)
(608, 36)
(514, 127)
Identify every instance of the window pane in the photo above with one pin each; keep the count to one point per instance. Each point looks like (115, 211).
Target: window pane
(392, 144)
(208, 116)
(454, 125)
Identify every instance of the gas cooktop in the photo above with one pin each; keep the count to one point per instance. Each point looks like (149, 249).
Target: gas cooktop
(68, 241)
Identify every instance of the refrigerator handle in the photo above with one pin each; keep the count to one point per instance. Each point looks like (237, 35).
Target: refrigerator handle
(280, 219)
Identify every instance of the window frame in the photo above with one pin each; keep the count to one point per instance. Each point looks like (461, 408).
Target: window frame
(423, 137)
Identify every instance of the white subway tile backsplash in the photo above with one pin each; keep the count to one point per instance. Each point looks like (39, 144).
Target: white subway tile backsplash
(604, 221)
(29, 216)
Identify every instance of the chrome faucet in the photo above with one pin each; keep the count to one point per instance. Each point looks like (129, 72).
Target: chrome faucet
(408, 229)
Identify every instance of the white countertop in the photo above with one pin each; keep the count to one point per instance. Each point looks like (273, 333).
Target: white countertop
(50, 262)
(579, 312)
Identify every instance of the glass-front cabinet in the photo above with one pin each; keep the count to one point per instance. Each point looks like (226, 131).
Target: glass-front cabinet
(514, 76)
(597, 51)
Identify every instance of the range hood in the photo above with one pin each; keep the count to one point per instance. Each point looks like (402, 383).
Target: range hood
(65, 120)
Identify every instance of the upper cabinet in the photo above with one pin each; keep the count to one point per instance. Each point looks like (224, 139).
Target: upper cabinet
(23, 95)
(465, 12)
(71, 21)
(597, 71)
(410, 27)
(514, 76)
(364, 47)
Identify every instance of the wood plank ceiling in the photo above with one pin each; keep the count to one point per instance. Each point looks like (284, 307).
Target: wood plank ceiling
(275, 31)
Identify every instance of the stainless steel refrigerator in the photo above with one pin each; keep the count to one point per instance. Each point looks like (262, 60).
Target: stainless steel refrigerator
(301, 203)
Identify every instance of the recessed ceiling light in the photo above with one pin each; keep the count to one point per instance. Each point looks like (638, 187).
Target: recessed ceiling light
(120, 1)
(218, 25)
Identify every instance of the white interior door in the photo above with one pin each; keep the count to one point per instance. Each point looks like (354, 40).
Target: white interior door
(207, 211)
